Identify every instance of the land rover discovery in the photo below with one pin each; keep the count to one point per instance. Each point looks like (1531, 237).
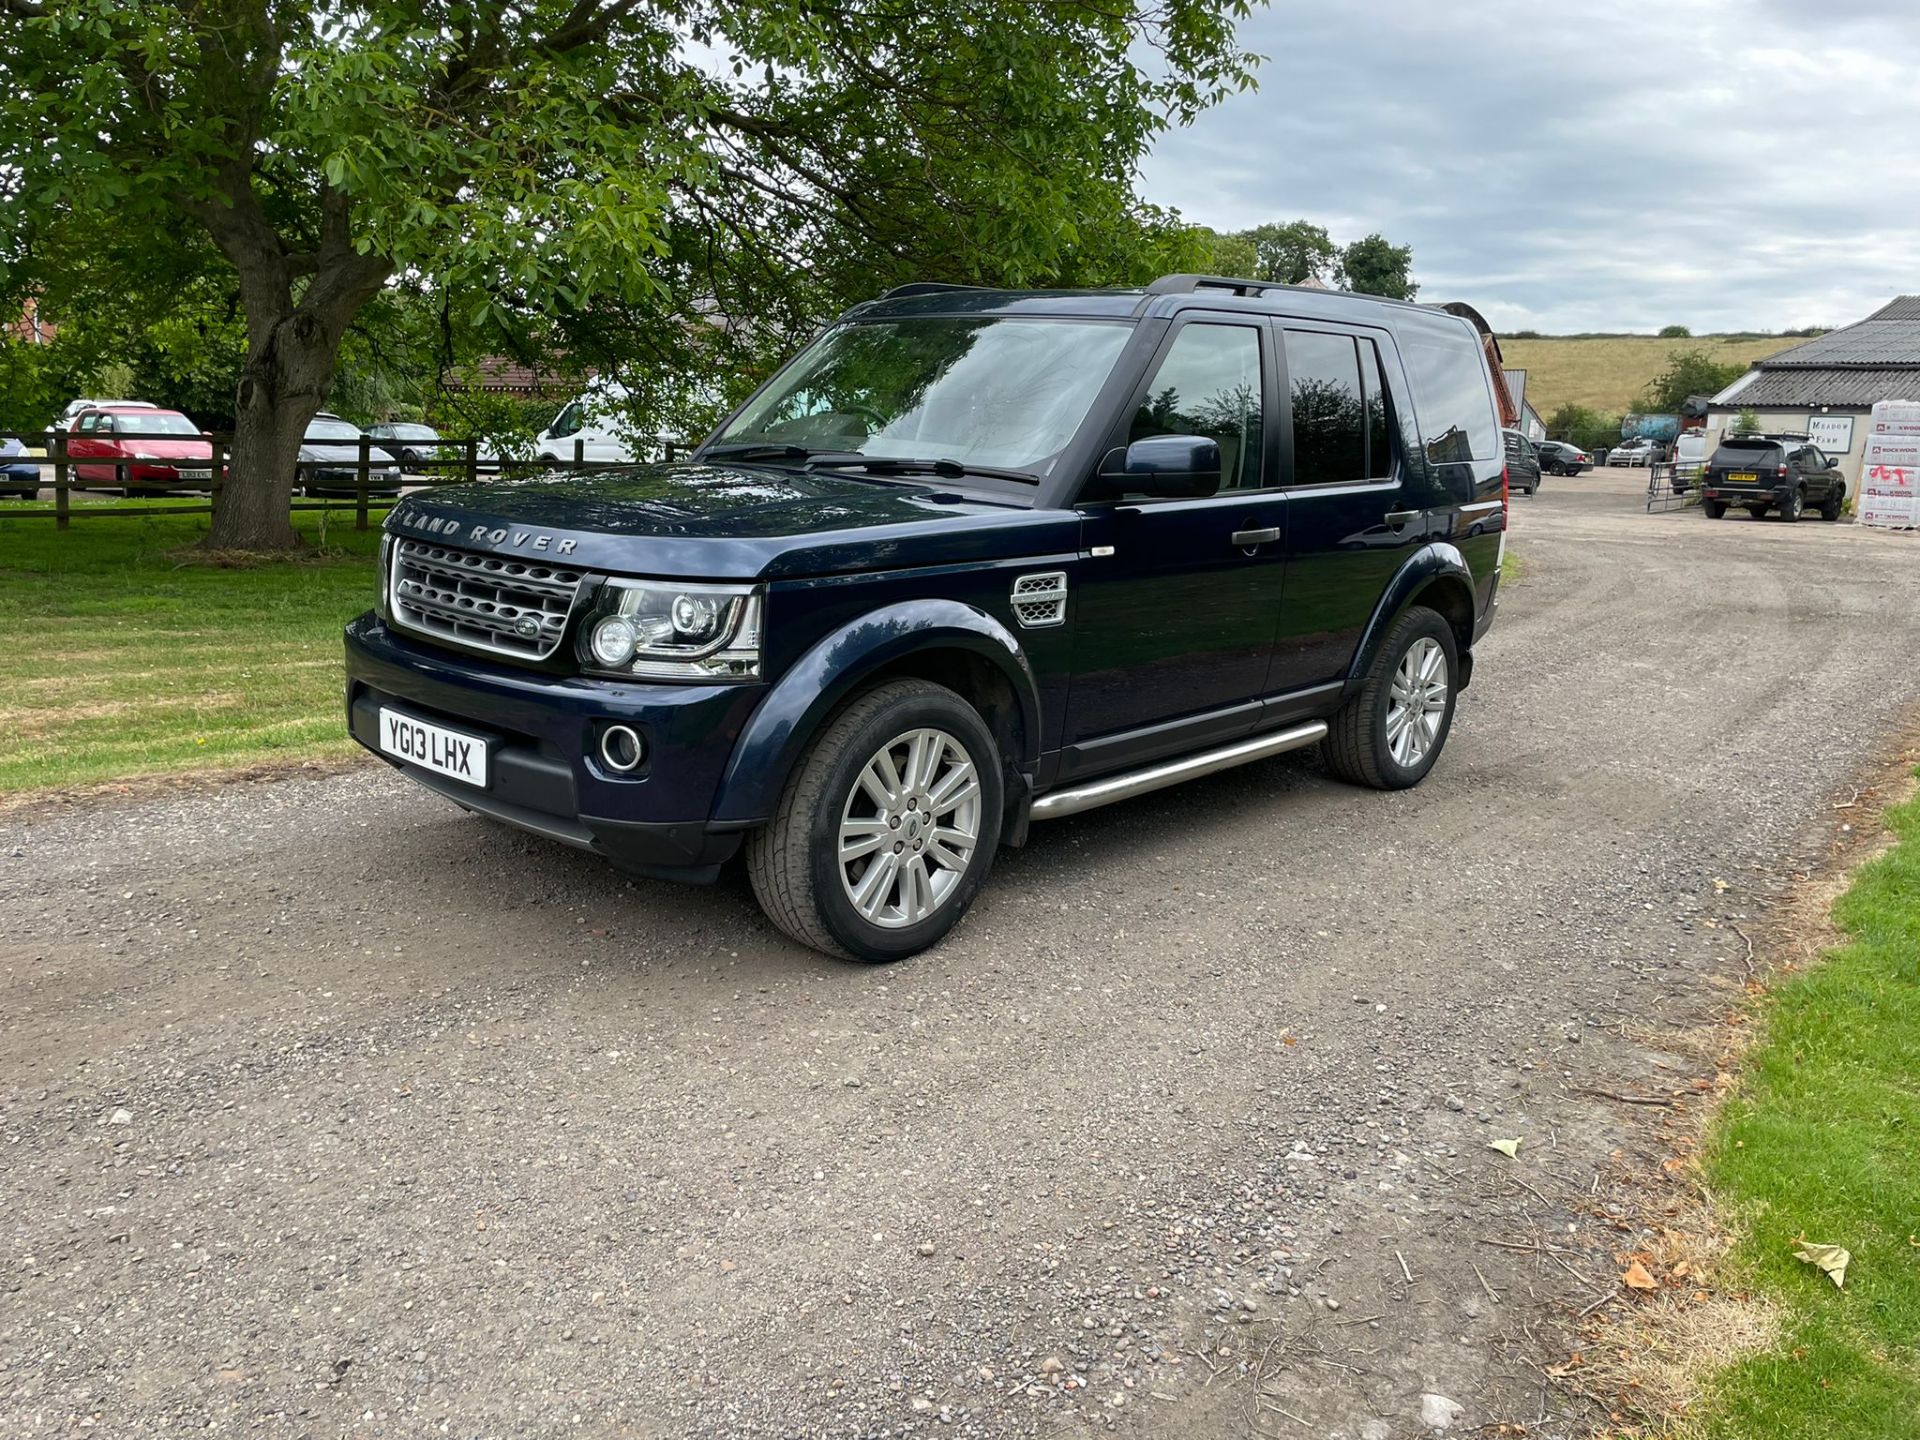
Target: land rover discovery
(971, 560)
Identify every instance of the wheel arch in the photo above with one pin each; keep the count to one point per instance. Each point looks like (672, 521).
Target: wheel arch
(1437, 577)
(943, 641)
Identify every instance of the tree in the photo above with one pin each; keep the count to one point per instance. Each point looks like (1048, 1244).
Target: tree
(1290, 254)
(1688, 372)
(1587, 428)
(1746, 423)
(577, 166)
(1676, 332)
(1374, 267)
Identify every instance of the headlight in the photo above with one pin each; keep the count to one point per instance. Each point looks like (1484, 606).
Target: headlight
(661, 631)
(384, 571)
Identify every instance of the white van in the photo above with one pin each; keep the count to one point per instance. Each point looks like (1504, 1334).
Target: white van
(1689, 457)
(591, 427)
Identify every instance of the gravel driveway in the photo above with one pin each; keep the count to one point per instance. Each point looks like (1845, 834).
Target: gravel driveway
(328, 1110)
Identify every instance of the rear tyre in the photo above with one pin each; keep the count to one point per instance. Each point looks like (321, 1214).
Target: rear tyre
(1391, 732)
(887, 827)
(1714, 508)
(1791, 506)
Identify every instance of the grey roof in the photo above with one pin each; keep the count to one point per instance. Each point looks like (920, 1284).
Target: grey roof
(1853, 386)
(1889, 336)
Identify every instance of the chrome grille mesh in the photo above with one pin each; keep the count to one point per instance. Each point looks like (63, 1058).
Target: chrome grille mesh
(485, 602)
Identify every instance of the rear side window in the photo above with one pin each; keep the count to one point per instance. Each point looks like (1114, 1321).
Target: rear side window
(1451, 398)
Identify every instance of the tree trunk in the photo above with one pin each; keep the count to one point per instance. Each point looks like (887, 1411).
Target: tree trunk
(282, 386)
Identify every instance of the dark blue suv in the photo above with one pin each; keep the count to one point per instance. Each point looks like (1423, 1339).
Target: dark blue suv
(972, 559)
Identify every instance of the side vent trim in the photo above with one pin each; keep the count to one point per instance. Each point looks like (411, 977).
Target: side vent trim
(1040, 601)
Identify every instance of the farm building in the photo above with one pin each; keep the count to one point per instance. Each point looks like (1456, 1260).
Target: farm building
(1826, 387)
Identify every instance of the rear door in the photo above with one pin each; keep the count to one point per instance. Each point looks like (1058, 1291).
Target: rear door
(1355, 510)
(1175, 607)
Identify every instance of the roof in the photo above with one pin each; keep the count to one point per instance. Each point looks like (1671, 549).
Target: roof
(1889, 336)
(1854, 387)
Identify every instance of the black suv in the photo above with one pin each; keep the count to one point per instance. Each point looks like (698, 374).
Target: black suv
(972, 559)
(1523, 462)
(1785, 473)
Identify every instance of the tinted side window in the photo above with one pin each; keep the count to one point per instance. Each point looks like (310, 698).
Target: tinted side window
(1379, 441)
(1448, 373)
(1329, 408)
(1209, 384)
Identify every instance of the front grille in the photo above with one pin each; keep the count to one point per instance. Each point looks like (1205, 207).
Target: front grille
(485, 602)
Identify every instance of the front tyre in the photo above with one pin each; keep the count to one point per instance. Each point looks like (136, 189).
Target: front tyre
(887, 827)
(1830, 507)
(1393, 729)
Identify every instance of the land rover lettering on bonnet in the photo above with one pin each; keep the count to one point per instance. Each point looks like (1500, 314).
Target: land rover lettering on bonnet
(971, 560)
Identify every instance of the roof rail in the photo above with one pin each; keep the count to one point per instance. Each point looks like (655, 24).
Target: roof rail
(1187, 284)
(925, 287)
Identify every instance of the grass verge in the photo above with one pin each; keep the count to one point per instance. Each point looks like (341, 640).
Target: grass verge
(1822, 1142)
(127, 656)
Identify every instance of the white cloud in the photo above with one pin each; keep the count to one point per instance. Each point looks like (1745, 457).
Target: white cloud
(1715, 163)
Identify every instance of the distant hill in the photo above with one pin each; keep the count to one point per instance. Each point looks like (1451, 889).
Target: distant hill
(1608, 372)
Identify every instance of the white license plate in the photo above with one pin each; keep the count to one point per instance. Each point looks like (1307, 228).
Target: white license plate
(434, 747)
(194, 474)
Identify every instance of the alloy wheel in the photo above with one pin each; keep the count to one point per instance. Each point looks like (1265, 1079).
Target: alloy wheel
(909, 828)
(1417, 701)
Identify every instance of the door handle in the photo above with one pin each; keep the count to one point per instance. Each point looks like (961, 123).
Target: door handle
(1396, 519)
(1246, 539)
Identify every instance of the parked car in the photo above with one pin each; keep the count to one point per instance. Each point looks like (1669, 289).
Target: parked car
(1689, 458)
(20, 480)
(1784, 473)
(138, 447)
(330, 460)
(971, 560)
(1557, 457)
(74, 407)
(588, 427)
(1523, 462)
(415, 445)
(1638, 450)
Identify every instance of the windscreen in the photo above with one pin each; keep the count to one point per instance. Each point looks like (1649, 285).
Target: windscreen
(1007, 393)
(154, 422)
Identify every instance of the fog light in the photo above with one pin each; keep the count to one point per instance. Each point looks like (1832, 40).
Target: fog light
(614, 639)
(621, 748)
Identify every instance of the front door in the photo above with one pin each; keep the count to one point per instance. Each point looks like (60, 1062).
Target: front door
(1177, 601)
(1356, 511)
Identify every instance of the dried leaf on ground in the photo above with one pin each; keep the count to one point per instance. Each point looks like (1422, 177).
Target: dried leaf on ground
(1637, 1278)
(1508, 1148)
(1831, 1258)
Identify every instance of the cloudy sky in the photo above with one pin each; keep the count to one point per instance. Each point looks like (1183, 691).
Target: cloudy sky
(1721, 164)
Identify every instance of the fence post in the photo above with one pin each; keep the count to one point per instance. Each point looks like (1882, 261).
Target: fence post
(473, 459)
(360, 484)
(57, 446)
(216, 476)
(579, 453)
(672, 450)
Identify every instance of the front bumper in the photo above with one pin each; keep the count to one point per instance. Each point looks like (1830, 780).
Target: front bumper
(543, 733)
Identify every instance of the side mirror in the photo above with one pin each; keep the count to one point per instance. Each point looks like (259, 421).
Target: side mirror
(1170, 466)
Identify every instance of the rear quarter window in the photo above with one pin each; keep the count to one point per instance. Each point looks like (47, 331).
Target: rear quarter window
(1452, 399)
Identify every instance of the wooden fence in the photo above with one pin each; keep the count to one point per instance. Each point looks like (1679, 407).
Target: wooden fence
(363, 481)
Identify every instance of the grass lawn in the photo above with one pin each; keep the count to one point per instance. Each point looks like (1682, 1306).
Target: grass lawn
(1824, 1142)
(125, 658)
(1609, 373)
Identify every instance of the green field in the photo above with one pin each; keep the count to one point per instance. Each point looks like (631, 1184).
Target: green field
(1824, 1143)
(1608, 373)
(127, 656)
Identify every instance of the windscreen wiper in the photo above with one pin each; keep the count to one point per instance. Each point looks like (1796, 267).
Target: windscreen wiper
(899, 465)
(764, 450)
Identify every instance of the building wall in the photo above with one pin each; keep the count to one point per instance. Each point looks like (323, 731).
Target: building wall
(1720, 421)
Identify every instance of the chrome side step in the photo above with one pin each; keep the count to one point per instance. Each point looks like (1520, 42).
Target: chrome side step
(1171, 772)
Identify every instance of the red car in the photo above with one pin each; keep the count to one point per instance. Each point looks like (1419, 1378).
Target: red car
(159, 448)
